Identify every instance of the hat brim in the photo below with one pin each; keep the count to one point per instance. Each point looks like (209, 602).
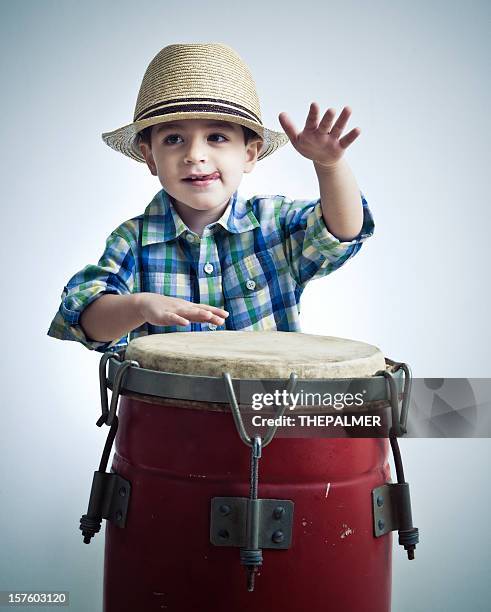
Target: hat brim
(125, 141)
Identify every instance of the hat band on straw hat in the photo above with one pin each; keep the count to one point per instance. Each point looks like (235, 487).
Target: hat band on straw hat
(210, 105)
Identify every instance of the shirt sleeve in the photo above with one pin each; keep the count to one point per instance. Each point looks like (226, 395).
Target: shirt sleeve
(114, 273)
(311, 250)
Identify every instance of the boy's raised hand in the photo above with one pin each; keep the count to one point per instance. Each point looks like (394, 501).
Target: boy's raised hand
(163, 310)
(319, 141)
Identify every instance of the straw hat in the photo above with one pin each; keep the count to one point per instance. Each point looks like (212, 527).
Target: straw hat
(195, 81)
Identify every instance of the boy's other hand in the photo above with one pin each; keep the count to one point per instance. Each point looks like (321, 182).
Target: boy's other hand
(319, 141)
(163, 310)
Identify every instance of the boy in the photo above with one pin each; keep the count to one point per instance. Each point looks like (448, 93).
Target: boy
(202, 257)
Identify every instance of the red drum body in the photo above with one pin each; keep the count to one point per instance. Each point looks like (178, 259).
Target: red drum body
(177, 459)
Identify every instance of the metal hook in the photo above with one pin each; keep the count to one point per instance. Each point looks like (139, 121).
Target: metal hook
(103, 385)
(238, 418)
(406, 394)
(292, 383)
(235, 409)
(399, 419)
(117, 387)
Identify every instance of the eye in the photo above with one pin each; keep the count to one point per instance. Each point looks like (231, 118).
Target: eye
(219, 136)
(171, 136)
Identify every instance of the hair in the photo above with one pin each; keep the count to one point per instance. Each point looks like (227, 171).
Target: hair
(145, 135)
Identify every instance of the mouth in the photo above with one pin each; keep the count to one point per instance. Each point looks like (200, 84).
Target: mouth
(202, 180)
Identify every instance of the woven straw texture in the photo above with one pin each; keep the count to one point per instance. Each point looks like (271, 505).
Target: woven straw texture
(195, 81)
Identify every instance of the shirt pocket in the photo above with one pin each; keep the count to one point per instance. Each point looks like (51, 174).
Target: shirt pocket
(247, 295)
(244, 279)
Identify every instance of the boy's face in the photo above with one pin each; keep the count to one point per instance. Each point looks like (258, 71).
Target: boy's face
(203, 147)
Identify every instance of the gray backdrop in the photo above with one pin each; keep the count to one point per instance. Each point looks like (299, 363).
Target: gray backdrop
(416, 77)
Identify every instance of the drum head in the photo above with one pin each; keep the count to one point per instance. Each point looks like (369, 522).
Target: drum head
(256, 355)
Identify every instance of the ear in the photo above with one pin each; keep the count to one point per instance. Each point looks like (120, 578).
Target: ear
(252, 151)
(146, 151)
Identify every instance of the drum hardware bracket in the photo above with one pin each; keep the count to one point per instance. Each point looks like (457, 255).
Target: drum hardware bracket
(392, 510)
(110, 493)
(228, 526)
(391, 502)
(252, 528)
(109, 499)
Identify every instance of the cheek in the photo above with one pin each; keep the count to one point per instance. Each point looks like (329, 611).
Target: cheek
(231, 174)
(166, 167)
(233, 164)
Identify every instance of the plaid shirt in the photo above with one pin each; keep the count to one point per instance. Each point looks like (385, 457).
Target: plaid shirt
(254, 262)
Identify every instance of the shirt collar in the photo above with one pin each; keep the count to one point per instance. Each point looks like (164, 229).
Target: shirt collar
(161, 222)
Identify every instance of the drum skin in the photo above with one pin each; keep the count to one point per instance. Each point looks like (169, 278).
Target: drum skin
(177, 459)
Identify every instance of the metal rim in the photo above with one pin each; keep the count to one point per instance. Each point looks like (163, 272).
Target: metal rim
(212, 389)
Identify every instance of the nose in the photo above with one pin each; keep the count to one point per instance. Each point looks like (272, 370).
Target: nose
(195, 150)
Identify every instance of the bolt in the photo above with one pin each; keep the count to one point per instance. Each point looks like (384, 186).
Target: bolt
(381, 524)
(278, 537)
(223, 533)
(224, 510)
(380, 501)
(278, 512)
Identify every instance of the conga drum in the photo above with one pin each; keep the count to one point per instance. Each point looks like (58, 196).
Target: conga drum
(188, 481)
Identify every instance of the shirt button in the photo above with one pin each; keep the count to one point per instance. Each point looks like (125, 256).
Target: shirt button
(212, 326)
(190, 237)
(250, 284)
(208, 268)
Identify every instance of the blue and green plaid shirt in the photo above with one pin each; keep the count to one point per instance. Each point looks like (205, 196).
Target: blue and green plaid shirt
(254, 262)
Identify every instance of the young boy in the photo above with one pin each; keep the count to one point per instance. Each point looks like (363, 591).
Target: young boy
(201, 257)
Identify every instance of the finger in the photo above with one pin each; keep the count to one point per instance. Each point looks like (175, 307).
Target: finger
(195, 313)
(350, 137)
(202, 315)
(338, 127)
(288, 127)
(312, 117)
(214, 309)
(326, 121)
(175, 319)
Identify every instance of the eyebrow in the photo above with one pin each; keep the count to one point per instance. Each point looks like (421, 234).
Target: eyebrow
(216, 124)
